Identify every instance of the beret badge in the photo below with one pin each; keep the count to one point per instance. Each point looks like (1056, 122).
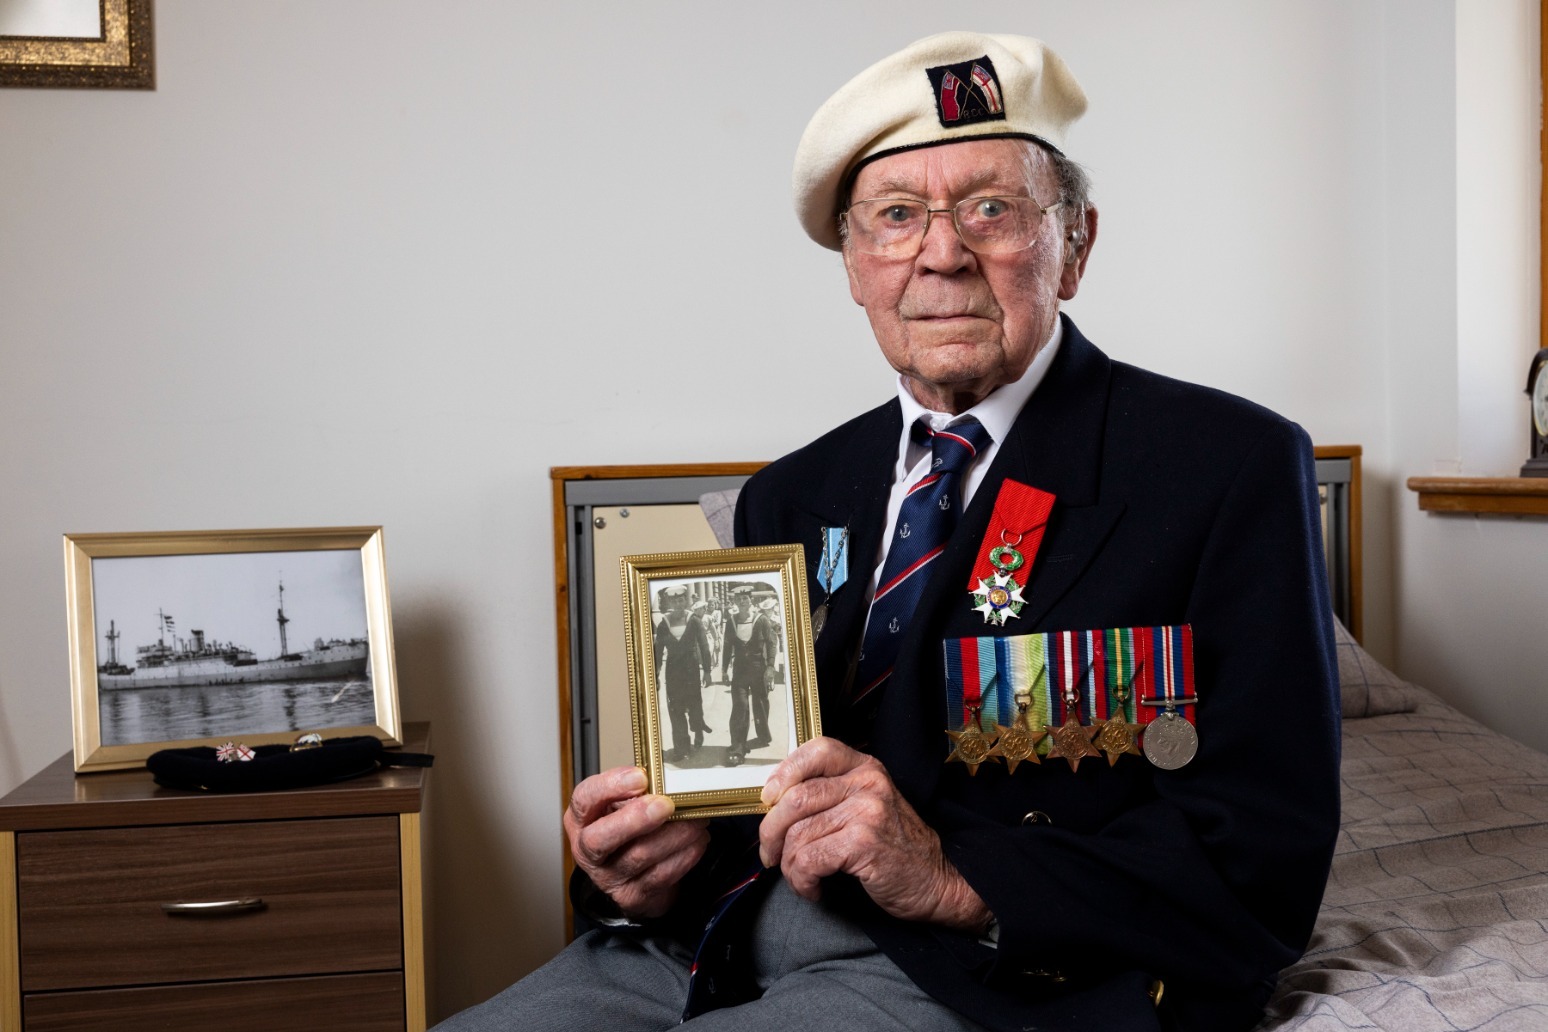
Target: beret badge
(967, 92)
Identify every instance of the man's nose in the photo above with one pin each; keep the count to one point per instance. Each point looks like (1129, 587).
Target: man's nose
(942, 249)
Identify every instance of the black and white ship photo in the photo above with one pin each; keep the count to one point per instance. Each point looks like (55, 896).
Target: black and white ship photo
(231, 644)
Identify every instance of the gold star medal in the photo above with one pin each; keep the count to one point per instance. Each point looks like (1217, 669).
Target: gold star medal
(970, 746)
(1072, 739)
(1117, 736)
(1018, 742)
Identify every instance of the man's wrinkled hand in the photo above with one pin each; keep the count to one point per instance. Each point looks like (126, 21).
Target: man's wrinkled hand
(837, 810)
(622, 839)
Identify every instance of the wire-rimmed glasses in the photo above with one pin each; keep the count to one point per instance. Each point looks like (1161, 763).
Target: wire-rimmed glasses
(895, 227)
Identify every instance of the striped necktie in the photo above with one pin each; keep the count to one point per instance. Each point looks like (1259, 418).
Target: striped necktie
(925, 522)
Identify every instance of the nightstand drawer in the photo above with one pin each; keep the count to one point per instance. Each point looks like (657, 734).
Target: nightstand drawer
(337, 1003)
(91, 903)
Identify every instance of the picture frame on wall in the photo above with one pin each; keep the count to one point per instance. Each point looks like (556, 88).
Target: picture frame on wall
(181, 639)
(721, 679)
(92, 44)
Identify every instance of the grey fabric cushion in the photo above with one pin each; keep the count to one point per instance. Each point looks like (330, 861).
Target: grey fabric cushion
(1366, 688)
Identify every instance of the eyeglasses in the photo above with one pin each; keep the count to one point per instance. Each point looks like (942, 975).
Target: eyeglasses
(895, 228)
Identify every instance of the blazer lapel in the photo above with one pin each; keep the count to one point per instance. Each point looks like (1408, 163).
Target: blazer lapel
(852, 493)
(1055, 445)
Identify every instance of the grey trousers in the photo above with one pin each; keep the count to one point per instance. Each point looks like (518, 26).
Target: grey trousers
(817, 971)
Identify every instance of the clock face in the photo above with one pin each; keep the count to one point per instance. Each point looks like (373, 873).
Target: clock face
(1540, 400)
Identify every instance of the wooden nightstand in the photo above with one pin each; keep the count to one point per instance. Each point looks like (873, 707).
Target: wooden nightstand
(320, 922)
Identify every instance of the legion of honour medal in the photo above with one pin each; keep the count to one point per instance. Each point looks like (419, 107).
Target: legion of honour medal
(999, 597)
(1015, 532)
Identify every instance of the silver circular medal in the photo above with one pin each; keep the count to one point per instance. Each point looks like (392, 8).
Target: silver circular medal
(1170, 741)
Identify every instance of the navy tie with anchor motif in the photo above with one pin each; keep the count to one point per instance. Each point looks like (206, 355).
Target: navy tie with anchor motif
(925, 522)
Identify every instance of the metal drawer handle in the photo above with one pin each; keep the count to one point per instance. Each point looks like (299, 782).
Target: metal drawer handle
(214, 908)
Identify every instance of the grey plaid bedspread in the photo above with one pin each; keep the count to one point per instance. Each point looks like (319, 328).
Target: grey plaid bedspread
(1436, 913)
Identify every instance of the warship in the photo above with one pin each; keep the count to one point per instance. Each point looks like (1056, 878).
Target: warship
(197, 661)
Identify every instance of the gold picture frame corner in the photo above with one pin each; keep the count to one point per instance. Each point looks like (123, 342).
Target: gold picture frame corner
(122, 56)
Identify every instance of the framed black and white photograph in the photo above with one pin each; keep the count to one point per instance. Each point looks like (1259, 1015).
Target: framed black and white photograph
(720, 672)
(201, 638)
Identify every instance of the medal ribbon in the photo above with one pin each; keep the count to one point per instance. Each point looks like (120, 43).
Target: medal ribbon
(833, 567)
(966, 678)
(1118, 643)
(1097, 664)
(1076, 667)
(1167, 673)
(1020, 512)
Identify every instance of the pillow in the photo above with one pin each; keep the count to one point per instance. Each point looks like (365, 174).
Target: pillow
(1365, 687)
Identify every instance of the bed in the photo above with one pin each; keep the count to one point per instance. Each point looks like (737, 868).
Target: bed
(1436, 912)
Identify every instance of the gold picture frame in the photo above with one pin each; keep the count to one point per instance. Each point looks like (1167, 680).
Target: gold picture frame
(120, 55)
(755, 680)
(174, 686)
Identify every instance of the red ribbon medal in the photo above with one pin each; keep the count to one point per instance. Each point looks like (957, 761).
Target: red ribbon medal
(1015, 533)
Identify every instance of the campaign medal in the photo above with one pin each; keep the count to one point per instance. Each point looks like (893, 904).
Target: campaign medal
(970, 746)
(832, 571)
(999, 597)
(1015, 532)
(1171, 741)
(1018, 741)
(1117, 735)
(1072, 739)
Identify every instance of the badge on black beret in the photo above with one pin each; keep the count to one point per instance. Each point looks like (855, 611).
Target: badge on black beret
(967, 92)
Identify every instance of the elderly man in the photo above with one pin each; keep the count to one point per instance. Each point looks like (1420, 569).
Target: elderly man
(1021, 482)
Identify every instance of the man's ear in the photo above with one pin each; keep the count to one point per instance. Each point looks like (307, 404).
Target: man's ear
(1077, 250)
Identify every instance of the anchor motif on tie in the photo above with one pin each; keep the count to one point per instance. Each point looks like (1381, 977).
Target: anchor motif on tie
(938, 463)
(894, 626)
(903, 531)
(945, 503)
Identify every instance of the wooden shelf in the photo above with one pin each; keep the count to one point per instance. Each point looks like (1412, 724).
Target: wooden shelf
(1509, 496)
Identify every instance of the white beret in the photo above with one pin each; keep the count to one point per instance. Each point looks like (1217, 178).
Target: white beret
(954, 86)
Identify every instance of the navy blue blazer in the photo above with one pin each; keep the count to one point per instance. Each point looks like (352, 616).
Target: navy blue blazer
(1175, 504)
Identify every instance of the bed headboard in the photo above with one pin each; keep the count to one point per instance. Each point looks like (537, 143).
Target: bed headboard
(603, 512)
(1338, 482)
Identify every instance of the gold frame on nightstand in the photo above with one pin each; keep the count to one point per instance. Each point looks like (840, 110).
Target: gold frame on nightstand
(85, 698)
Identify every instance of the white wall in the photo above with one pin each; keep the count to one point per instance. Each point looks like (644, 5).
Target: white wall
(372, 262)
(1470, 593)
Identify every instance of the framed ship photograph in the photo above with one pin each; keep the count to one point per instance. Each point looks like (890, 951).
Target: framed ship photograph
(180, 639)
(721, 679)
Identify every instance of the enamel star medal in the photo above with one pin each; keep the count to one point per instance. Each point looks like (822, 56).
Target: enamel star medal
(1018, 742)
(999, 597)
(970, 746)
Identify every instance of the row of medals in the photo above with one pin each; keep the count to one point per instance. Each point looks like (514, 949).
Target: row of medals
(1170, 741)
